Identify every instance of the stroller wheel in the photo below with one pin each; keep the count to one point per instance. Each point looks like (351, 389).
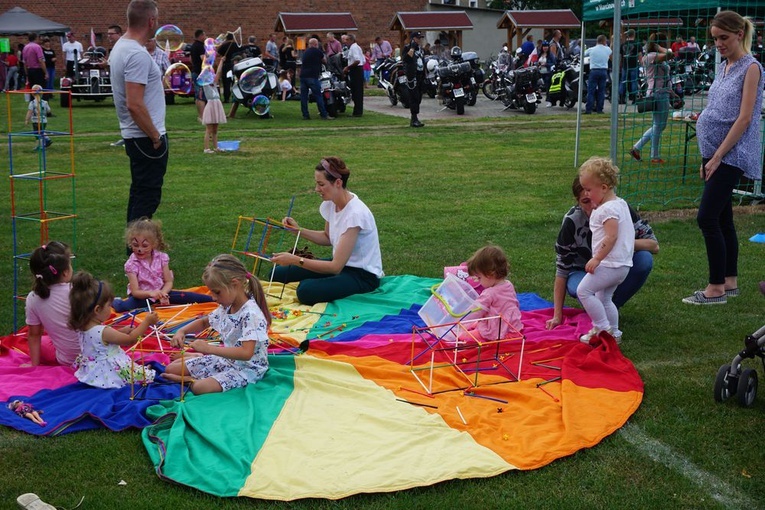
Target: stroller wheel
(747, 387)
(723, 385)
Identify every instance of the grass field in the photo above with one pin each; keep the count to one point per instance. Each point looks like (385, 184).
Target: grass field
(437, 194)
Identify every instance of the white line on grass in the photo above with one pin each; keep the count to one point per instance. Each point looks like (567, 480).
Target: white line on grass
(719, 490)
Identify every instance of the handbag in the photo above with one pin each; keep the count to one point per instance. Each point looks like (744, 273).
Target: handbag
(645, 104)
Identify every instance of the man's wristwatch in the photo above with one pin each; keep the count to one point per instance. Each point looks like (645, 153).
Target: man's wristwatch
(301, 261)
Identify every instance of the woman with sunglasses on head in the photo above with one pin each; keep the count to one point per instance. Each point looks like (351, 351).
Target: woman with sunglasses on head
(573, 249)
(349, 228)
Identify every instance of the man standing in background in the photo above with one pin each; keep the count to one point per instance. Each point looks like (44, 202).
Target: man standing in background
(355, 72)
(72, 49)
(139, 98)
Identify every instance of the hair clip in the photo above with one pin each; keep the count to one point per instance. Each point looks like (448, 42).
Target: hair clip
(249, 274)
(52, 269)
(39, 276)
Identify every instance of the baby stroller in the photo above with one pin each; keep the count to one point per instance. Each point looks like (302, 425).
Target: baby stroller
(732, 379)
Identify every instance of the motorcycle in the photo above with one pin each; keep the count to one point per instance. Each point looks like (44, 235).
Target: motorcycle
(567, 75)
(334, 85)
(430, 87)
(252, 79)
(523, 89)
(492, 87)
(456, 82)
(390, 77)
(478, 75)
(91, 78)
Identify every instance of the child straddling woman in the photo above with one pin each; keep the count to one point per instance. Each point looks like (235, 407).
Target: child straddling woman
(213, 113)
(149, 275)
(489, 264)
(47, 306)
(103, 363)
(242, 319)
(37, 113)
(613, 241)
(285, 86)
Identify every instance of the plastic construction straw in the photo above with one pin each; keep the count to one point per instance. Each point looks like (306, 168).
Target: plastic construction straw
(461, 417)
(416, 403)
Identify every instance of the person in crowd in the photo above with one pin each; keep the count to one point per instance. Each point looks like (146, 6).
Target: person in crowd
(197, 56)
(102, 363)
(730, 143)
(556, 47)
(575, 48)
(286, 90)
(12, 80)
(139, 98)
(678, 45)
(159, 56)
(489, 264)
(213, 114)
(47, 305)
(758, 49)
(50, 64)
(381, 50)
(613, 245)
(22, 77)
(692, 45)
(310, 71)
(34, 62)
(657, 72)
(573, 249)
(631, 55)
(355, 72)
(367, 66)
(426, 50)
(38, 112)
(252, 49)
(242, 319)
(546, 61)
(596, 82)
(148, 270)
(288, 56)
(271, 55)
(332, 46)
(72, 49)
(528, 46)
(225, 53)
(351, 231)
(414, 67)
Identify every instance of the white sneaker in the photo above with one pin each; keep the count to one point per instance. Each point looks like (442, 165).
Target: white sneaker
(31, 501)
(585, 339)
(118, 143)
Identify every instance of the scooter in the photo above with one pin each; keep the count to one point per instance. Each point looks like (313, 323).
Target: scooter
(252, 79)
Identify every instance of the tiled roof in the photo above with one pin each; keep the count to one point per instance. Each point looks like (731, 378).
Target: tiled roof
(431, 20)
(551, 18)
(301, 22)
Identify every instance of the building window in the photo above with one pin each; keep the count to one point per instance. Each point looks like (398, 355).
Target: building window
(474, 3)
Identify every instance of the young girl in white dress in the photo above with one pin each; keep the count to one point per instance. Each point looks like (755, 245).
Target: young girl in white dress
(242, 319)
(103, 363)
(213, 113)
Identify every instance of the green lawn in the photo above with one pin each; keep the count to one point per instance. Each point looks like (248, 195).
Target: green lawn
(438, 194)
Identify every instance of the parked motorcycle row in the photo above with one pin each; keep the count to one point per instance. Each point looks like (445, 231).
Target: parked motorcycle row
(455, 82)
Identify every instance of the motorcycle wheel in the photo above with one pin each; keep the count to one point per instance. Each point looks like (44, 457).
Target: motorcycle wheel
(472, 97)
(569, 102)
(431, 93)
(332, 109)
(392, 97)
(488, 90)
(403, 96)
(529, 107)
(459, 104)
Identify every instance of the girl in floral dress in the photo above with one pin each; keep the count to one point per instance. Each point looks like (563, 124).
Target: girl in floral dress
(242, 319)
(103, 363)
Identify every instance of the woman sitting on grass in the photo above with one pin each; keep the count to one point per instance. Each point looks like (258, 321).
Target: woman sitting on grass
(349, 228)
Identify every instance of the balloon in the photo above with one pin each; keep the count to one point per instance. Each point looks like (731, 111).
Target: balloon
(169, 38)
(251, 81)
(206, 77)
(178, 79)
(260, 105)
